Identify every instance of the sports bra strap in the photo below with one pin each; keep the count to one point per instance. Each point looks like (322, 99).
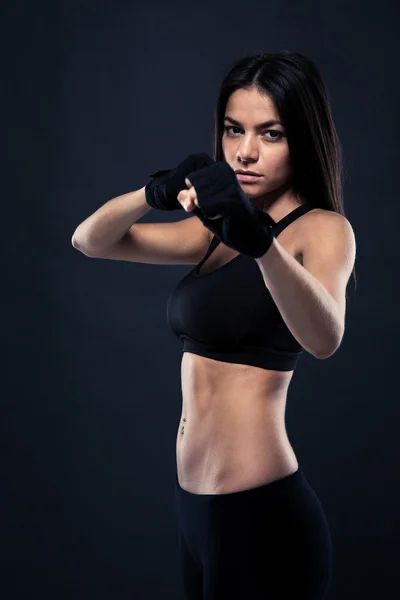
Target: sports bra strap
(290, 217)
(277, 228)
(213, 244)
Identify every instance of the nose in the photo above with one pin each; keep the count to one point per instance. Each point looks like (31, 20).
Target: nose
(247, 151)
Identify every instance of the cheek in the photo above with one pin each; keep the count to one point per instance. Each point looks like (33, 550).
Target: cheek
(278, 160)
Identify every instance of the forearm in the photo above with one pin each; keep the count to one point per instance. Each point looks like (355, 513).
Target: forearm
(307, 308)
(111, 221)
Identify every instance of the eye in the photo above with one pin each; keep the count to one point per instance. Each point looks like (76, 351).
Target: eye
(275, 131)
(278, 137)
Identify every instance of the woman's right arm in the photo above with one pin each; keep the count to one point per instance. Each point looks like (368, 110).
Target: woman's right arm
(110, 222)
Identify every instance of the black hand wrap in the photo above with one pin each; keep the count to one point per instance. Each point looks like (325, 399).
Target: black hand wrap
(243, 226)
(162, 192)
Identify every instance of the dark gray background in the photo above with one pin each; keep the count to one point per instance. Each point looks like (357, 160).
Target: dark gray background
(97, 95)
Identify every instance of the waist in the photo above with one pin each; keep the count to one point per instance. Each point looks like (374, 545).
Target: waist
(232, 450)
(209, 384)
(232, 431)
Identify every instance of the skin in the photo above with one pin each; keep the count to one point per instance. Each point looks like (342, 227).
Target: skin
(232, 435)
(263, 151)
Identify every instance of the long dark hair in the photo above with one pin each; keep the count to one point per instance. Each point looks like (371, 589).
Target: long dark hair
(296, 86)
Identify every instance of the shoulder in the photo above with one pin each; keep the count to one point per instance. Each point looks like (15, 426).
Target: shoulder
(328, 229)
(320, 220)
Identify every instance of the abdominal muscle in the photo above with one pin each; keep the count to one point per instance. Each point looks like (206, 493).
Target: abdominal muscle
(232, 433)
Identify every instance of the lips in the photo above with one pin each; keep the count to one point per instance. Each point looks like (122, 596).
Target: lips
(248, 178)
(240, 172)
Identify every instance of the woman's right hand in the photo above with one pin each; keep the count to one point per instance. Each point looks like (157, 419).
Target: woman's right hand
(162, 192)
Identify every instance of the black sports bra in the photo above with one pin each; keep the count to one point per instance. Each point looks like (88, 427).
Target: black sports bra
(229, 315)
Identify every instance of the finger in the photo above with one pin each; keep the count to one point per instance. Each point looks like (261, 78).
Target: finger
(188, 182)
(185, 200)
(182, 195)
(192, 195)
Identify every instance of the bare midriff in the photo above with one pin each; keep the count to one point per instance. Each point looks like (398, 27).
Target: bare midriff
(232, 433)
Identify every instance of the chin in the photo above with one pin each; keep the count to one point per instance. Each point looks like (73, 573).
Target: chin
(252, 193)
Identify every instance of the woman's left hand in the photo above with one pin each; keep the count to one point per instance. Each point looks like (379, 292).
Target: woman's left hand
(188, 198)
(239, 224)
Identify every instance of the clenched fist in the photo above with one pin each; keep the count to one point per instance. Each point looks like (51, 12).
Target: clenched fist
(188, 198)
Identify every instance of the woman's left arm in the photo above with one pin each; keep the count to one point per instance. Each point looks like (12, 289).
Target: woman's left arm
(312, 297)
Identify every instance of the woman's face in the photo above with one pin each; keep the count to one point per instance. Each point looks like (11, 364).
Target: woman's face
(248, 145)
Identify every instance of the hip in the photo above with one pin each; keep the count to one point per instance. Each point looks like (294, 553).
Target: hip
(269, 541)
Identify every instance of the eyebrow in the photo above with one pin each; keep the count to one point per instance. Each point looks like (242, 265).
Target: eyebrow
(259, 126)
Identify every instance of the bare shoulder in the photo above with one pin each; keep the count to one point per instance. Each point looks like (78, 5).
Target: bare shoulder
(322, 217)
(319, 224)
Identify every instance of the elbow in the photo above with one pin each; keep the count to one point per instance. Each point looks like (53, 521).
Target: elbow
(330, 349)
(80, 238)
(76, 244)
(79, 246)
(324, 355)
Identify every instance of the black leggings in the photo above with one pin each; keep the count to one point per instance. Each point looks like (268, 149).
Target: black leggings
(266, 543)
